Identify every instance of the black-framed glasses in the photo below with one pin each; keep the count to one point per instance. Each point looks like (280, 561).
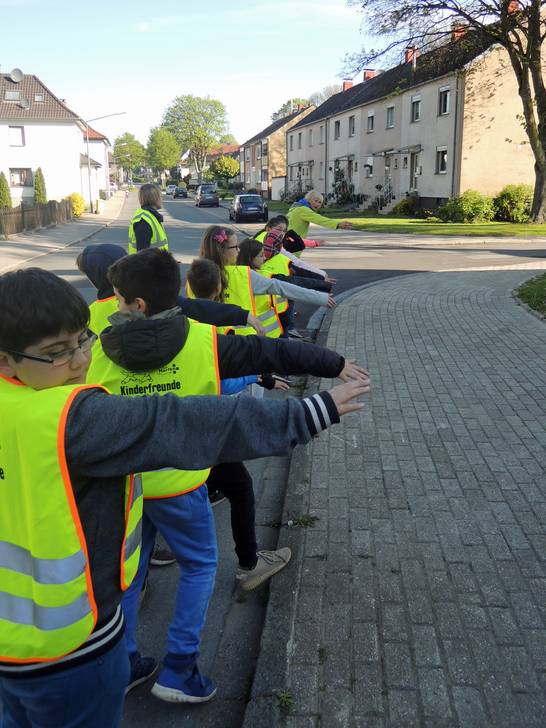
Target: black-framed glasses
(231, 247)
(60, 358)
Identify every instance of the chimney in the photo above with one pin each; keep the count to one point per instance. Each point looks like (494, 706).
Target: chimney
(458, 30)
(368, 73)
(347, 84)
(412, 53)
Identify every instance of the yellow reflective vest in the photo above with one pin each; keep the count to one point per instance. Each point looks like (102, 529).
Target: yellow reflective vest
(159, 236)
(99, 311)
(267, 312)
(193, 371)
(47, 604)
(277, 265)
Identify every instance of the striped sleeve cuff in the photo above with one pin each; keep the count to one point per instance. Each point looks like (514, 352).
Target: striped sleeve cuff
(320, 412)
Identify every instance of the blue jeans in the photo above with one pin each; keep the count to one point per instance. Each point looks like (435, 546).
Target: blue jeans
(87, 696)
(187, 525)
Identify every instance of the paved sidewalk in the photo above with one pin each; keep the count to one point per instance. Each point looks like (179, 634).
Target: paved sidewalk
(418, 598)
(23, 247)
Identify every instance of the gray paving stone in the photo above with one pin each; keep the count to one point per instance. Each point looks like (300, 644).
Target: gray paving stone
(434, 694)
(399, 670)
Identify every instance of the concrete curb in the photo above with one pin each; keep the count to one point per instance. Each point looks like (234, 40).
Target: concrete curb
(58, 248)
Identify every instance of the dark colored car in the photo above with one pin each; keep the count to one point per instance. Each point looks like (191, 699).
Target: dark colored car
(180, 192)
(245, 207)
(207, 195)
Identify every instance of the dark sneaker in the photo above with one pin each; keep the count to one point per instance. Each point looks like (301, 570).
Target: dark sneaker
(294, 334)
(188, 686)
(162, 557)
(216, 497)
(268, 564)
(142, 669)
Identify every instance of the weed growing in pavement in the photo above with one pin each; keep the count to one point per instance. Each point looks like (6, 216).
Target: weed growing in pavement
(322, 655)
(286, 701)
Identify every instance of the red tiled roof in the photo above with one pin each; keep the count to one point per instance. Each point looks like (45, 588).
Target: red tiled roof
(96, 136)
(50, 108)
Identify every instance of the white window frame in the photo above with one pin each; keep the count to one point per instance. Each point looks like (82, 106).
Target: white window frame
(321, 134)
(310, 137)
(444, 91)
(337, 129)
(29, 176)
(415, 105)
(300, 139)
(369, 167)
(259, 150)
(441, 151)
(12, 97)
(39, 98)
(392, 110)
(16, 136)
(370, 126)
(247, 154)
(291, 143)
(352, 125)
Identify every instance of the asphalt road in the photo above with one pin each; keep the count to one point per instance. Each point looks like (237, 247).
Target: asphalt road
(232, 633)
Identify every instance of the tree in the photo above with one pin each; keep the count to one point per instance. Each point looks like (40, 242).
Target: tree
(319, 97)
(225, 167)
(40, 194)
(197, 123)
(5, 195)
(163, 149)
(517, 25)
(227, 139)
(288, 107)
(129, 153)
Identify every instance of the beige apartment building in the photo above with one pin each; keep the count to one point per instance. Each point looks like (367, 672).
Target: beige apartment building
(262, 158)
(434, 126)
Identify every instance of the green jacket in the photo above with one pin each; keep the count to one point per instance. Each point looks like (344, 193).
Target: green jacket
(300, 216)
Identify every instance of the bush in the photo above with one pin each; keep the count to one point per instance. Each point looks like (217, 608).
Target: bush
(471, 206)
(407, 206)
(513, 203)
(78, 204)
(40, 194)
(5, 195)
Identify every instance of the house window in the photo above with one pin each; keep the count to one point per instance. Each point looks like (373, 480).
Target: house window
(16, 136)
(39, 98)
(321, 134)
(264, 149)
(396, 162)
(20, 177)
(356, 166)
(12, 96)
(291, 142)
(337, 129)
(371, 123)
(299, 139)
(351, 126)
(443, 101)
(416, 108)
(405, 163)
(247, 154)
(441, 160)
(321, 170)
(310, 137)
(264, 175)
(369, 167)
(291, 174)
(258, 151)
(248, 179)
(390, 117)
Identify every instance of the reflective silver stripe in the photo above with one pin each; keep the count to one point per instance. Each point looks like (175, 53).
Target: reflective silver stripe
(44, 571)
(272, 327)
(137, 487)
(20, 610)
(132, 542)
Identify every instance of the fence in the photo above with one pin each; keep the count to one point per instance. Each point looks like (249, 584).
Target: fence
(23, 218)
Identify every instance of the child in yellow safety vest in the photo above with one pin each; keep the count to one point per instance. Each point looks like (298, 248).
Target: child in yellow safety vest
(70, 515)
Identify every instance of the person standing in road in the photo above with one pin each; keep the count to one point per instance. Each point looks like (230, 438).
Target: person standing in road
(146, 227)
(305, 211)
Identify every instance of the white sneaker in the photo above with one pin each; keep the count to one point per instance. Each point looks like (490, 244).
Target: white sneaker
(268, 564)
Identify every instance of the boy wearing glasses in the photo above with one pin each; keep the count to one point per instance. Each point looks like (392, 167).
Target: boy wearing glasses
(70, 517)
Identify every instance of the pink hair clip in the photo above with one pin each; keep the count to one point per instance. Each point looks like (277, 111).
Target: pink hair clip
(220, 237)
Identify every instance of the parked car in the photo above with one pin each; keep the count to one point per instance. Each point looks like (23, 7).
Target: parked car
(180, 192)
(207, 195)
(245, 207)
(170, 189)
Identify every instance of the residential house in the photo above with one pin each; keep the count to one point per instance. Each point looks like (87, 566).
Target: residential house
(99, 151)
(262, 158)
(37, 129)
(433, 126)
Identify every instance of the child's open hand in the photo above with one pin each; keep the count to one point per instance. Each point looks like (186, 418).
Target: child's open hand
(281, 383)
(351, 370)
(331, 302)
(344, 394)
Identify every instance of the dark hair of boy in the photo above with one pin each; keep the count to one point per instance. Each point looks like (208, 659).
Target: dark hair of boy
(152, 274)
(204, 278)
(35, 305)
(249, 248)
(277, 220)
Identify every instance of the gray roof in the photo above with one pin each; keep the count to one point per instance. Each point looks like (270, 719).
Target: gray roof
(50, 109)
(92, 162)
(433, 64)
(274, 127)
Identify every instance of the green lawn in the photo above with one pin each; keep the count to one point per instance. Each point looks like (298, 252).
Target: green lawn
(371, 222)
(533, 293)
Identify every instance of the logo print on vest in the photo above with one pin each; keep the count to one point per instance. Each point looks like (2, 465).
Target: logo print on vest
(134, 378)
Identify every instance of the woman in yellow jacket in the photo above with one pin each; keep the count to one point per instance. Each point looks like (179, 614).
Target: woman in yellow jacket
(305, 211)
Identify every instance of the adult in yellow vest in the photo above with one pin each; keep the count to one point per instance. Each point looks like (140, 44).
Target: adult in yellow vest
(146, 227)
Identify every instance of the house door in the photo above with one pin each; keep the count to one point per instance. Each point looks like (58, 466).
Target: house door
(387, 188)
(414, 167)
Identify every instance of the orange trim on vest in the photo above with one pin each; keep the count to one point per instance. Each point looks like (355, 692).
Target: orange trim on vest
(12, 380)
(248, 269)
(102, 300)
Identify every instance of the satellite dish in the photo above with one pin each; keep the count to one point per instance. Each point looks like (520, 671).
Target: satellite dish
(16, 75)
(24, 102)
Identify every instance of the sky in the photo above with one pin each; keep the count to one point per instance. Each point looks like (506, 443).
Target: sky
(118, 56)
